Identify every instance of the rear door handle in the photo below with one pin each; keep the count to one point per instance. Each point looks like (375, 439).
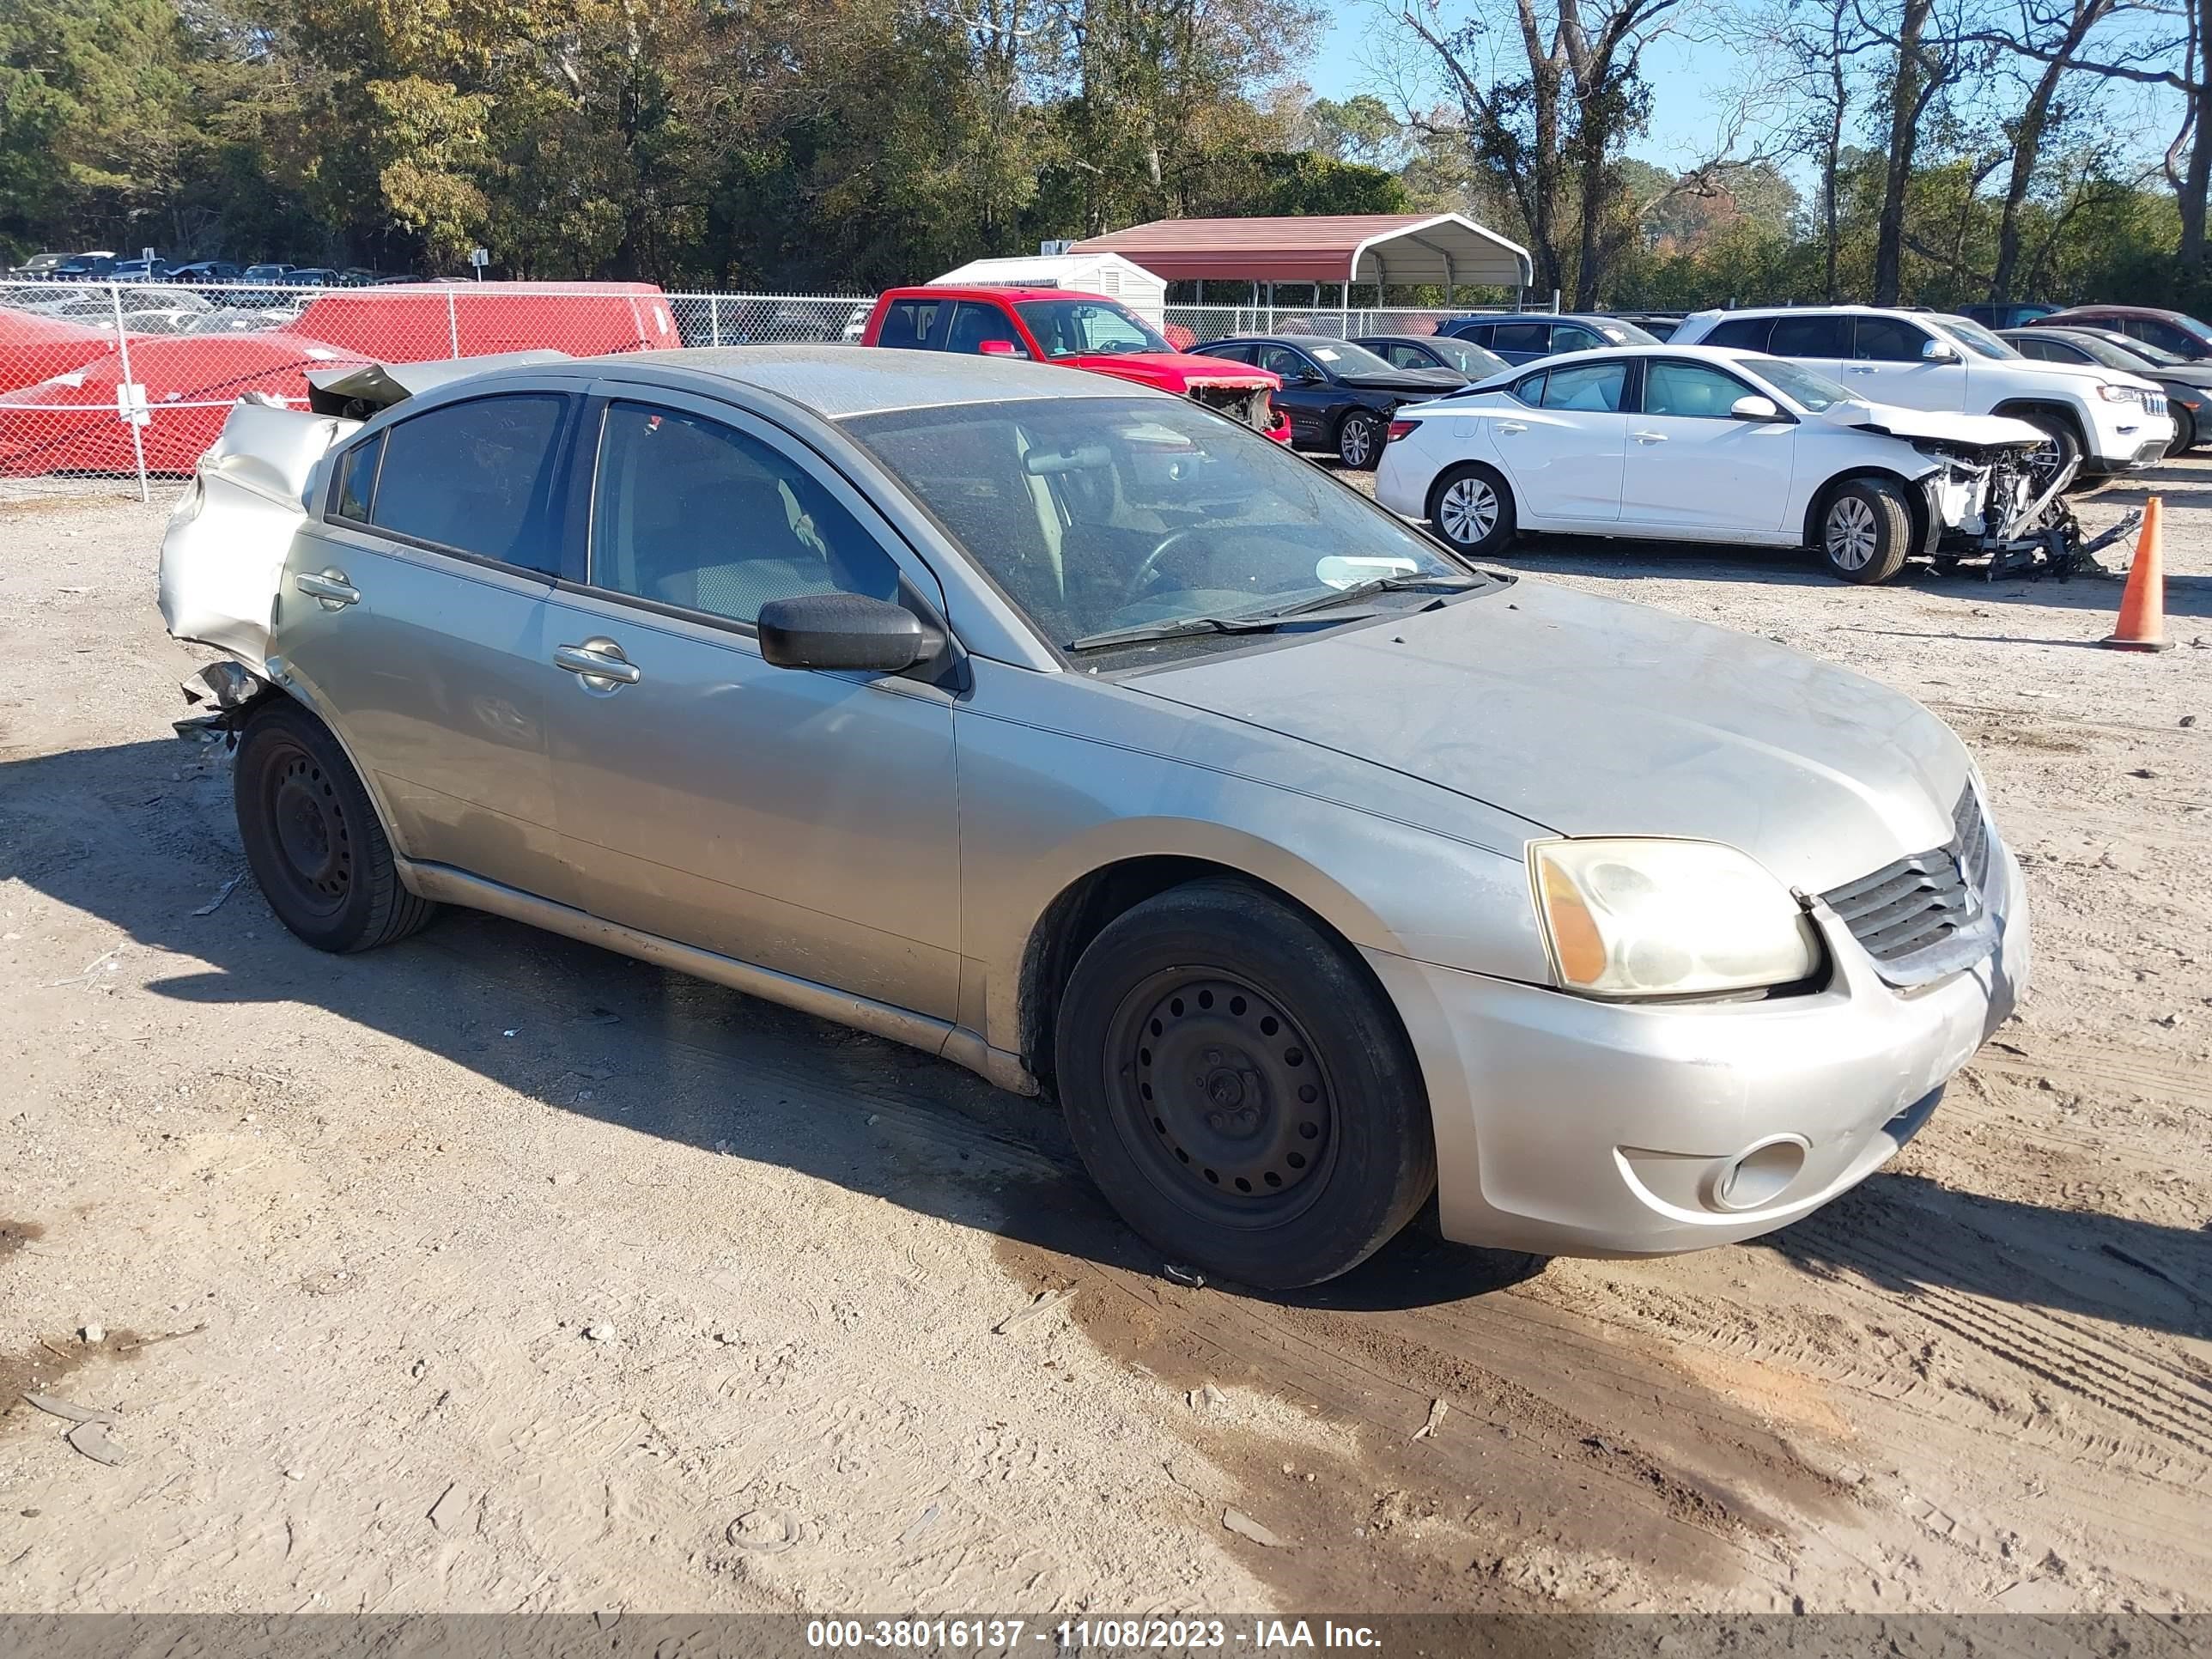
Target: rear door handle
(1513, 426)
(1649, 437)
(1863, 368)
(331, 589)
(600, 662)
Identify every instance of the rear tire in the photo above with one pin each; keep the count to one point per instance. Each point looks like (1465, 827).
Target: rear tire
(312, 840)
(1359, 439)
(1471, 509)
(1866, 530)
(1240, 1090)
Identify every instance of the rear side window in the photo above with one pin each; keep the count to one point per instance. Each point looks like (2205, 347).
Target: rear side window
(1530, 391)
(1744, 333)
(1522, 336)
(908, 323)
(357, 480)
(1475, 333)
(973, 324)
(1809, 336)
(1594, 386)
(472, 476)
(1887, 340)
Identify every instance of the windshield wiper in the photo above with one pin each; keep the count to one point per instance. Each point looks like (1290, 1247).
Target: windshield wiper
(1266, 622)
(1359, 591)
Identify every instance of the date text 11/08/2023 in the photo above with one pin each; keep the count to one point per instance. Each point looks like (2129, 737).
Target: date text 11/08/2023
(1012, 1637)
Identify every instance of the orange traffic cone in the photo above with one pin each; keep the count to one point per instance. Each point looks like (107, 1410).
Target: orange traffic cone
(2142, 606)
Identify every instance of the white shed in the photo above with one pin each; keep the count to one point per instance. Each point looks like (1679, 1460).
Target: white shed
(1086, 273)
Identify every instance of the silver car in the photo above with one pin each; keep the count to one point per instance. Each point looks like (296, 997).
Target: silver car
(1073, 733)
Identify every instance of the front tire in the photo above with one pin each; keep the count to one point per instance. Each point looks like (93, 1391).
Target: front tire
(1359, 439)
(1471, 507)
(2185, 430)
(2061, 445)
(1866, 530)
(312, 835)
(1240, 1090)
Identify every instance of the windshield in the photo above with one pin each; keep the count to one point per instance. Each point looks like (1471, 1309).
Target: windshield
(1342, 357)
(1808, 389)
(2129, 352)
(1098, 513)
(1088, 328)
(1972, 335)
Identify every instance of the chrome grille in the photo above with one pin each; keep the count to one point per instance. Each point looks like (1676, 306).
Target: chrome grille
(1905, 913)
(2153, 403)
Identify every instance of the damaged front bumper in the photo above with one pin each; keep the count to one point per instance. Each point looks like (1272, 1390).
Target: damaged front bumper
(1986, 505)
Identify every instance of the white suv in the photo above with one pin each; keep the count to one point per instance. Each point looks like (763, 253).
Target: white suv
(2110, 421)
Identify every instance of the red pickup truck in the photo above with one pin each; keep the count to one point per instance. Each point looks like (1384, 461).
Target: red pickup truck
(1075, 330)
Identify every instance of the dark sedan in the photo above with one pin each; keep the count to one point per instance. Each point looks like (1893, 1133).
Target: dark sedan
(1462, 357)
(2187, 383)
(1524, 337)
(1339, 396)
(2170, 330)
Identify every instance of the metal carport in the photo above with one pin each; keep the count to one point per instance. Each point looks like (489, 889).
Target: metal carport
(1388, 249)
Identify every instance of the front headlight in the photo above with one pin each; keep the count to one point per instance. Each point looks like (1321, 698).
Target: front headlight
(1652, 918)
(2117, 394)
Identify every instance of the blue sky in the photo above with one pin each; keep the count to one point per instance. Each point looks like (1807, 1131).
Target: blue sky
(1684, 115)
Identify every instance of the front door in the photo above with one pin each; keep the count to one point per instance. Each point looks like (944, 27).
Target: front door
(1690, 463)
(1888, 365)
(412, 617)
(805, 822)
(1306, 397)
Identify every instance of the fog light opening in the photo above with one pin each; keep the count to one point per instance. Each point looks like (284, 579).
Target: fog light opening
(1756, 1178)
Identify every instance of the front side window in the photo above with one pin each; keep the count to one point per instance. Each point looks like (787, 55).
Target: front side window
(1590, 386)
(1098, 513)
(691, 512)
(472, 476)
(1281, 360)
(1573, 337)
(1088, 328)
(1888, 340)
(1691, 390)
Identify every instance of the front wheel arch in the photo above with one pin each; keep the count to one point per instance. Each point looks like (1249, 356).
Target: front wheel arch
(1915, 496)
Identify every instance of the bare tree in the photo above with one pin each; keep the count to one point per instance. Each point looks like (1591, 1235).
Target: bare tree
(1550, 133)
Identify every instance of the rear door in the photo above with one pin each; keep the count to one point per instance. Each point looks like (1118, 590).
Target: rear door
(918, 323)
(805, 822)
(1888, 365)
(1821, 342)
(1564, 448)
(412, 616)
(1691, 464)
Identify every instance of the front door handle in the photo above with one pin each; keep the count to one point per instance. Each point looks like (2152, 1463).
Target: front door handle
(600, 662)
(1513, 426)
(1649, 437)
(1863, 368)
(331, 589)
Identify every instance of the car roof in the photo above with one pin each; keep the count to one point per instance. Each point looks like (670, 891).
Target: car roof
(838, 381)
(990, 291)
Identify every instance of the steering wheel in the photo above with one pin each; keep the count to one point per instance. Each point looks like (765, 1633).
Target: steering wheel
(1160, 550)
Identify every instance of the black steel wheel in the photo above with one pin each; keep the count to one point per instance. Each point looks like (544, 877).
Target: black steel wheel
(312, 836)
(1240, 1088)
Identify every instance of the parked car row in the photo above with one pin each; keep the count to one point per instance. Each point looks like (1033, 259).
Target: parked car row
(102, 266)
(1058, 727)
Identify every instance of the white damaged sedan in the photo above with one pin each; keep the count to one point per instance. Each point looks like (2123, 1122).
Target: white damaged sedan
(1701, 443)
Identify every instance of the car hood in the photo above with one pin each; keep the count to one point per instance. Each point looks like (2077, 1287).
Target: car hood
(1173, 371)
(1901, 422)
(1415, 382)
(1592, 717)
(2035, 369)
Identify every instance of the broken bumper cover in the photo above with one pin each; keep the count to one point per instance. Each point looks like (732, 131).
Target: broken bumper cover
(1571, 1126)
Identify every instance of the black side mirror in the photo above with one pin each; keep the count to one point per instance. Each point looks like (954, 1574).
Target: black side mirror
(845, 631)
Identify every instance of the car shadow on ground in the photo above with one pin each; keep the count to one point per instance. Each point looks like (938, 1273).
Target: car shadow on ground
(140, 835)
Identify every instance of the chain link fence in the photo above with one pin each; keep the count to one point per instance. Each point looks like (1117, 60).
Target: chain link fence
(109, 385)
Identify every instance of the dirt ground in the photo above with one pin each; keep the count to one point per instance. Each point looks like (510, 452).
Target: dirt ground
(493, 1271)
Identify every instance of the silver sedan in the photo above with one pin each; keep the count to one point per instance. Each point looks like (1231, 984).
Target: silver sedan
(1085, 739)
